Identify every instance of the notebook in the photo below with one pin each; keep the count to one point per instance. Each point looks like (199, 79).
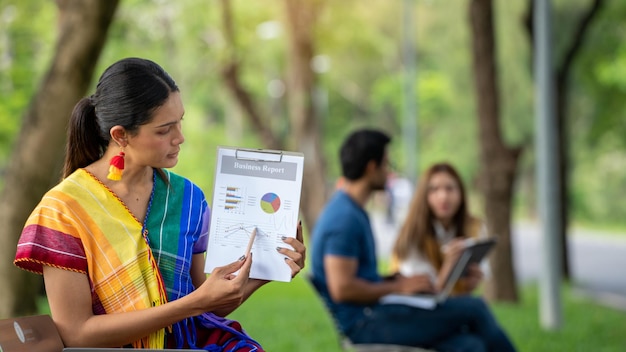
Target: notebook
(475, 251)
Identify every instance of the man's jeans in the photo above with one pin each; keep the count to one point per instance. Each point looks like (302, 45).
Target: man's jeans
(460, 324)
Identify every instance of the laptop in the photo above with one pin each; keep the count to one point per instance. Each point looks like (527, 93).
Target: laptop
(474, 252)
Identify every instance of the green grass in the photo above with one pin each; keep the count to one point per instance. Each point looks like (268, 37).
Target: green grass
(587, 326)
(290, 317)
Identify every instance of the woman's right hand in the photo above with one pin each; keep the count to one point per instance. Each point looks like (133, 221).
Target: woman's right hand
(451, 253)
(452, 250)
(223, 290)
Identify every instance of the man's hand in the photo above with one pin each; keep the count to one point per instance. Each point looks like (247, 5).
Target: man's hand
(414, 284)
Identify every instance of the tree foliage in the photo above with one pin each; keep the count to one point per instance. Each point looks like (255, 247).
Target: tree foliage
(26, 42)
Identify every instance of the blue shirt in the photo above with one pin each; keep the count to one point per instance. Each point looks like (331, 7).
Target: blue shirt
(343, 229)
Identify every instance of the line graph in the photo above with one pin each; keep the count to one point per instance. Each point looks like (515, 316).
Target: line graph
(236, 233)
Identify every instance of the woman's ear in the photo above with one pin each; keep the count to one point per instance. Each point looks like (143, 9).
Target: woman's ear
(118, 134)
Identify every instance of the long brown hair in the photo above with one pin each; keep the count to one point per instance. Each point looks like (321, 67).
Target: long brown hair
(418, 230)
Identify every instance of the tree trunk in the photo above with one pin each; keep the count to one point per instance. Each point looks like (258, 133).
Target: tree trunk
(230, 74)
(301, 17)
(498, 162)
(38, 153)
(305, 131)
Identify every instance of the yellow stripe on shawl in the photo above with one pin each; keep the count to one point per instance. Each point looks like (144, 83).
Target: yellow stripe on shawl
(118, 257)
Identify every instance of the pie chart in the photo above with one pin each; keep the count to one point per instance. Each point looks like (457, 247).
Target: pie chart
(270, 203)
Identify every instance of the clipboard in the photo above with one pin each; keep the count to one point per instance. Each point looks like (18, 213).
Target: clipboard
(254, 189)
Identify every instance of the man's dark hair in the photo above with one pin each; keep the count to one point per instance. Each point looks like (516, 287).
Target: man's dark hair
(359, 148)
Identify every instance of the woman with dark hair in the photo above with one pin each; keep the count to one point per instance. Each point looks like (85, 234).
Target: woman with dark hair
(435, 228)
(120, 241)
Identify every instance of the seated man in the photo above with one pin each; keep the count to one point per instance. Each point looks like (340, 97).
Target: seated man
(345, 270)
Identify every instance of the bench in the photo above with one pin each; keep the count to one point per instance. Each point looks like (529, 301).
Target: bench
(38, 333)
(31, 333)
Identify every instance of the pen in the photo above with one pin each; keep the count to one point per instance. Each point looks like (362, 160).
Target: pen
(252, 237)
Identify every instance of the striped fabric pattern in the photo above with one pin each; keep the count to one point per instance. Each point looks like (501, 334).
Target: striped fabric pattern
(178, 226)
(81, 225)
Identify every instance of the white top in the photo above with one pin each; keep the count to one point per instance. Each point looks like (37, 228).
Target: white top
(416, 262)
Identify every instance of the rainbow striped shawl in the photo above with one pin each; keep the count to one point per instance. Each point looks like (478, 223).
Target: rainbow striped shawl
(80, 225)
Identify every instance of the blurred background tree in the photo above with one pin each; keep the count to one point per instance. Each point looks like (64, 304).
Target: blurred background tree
(37, 157)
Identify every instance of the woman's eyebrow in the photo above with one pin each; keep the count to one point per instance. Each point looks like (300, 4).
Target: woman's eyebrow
(167, 124)
(170, 123)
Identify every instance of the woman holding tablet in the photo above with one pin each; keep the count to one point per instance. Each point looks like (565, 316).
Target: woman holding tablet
(436, 230)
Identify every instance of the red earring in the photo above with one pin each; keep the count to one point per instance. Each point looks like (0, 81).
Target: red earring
(117, 166)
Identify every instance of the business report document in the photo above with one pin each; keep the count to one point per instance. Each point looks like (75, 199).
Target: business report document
(254, 189)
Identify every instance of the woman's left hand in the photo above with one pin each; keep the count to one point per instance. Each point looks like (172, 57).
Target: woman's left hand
(473, 277)
(294, 258)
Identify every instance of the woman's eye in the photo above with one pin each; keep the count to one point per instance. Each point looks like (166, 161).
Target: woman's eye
(165, 131)
(451, 188)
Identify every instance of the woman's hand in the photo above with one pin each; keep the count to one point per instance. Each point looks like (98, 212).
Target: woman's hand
(472, 278)
(224, 290)
(452, 250)
(294, 258)
(451, 253)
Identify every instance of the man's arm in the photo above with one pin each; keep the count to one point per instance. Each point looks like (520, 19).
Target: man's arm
(345, 286)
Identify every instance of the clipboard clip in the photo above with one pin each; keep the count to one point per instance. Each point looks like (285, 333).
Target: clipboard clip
(266, 155)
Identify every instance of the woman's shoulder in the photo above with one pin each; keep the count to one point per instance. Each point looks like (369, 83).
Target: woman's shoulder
(75, 183)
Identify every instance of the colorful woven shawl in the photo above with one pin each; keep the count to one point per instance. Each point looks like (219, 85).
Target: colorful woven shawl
(116, 258)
